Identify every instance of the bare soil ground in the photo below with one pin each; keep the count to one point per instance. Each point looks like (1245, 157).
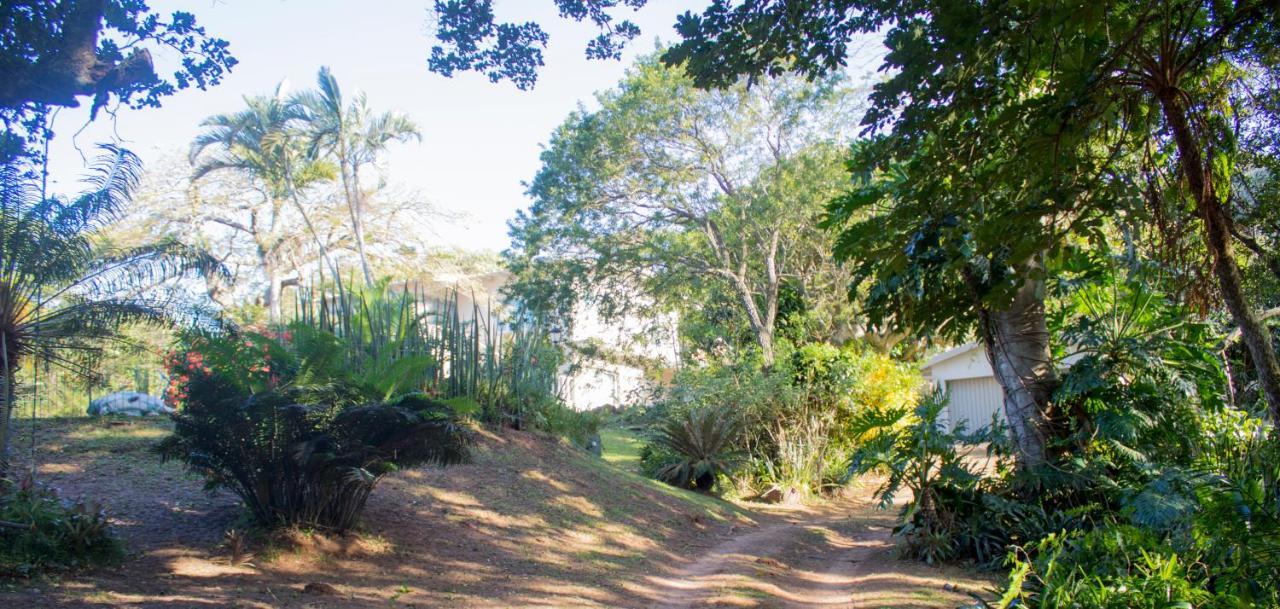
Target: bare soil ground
(531, 523)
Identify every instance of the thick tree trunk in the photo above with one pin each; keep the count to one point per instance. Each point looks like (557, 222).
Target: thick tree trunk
(1217, 231)
(74, 68)
(765, 337)
(1017, 345)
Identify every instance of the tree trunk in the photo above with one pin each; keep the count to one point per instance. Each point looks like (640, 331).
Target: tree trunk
(7, 394)
(1217, 230)
(1017, 345)
(356, 205)
(765, 337)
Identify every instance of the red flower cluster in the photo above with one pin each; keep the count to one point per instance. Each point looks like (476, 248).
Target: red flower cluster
(247, 359)
(180, 370)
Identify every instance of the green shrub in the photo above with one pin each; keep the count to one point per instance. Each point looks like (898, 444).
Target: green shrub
(914, 450)
(702, 444)
(1114, 567)
(795, 417)
(43, 532)
(297, 454)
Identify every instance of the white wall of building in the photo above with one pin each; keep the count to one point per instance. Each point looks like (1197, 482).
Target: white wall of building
(973, 392)
(589, 383)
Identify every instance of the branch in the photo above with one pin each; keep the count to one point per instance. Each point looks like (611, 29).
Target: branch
(73, 68)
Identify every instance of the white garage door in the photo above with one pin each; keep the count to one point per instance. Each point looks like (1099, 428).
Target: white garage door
(974, 400)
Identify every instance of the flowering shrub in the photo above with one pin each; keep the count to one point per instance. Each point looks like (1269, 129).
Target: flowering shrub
(253, 361)
(299, 437)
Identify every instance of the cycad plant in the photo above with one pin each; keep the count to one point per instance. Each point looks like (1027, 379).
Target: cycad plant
(702, 440)
(301, 442)
(61, 292)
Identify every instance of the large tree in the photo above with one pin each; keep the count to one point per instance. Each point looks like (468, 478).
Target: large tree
(667, 184)
(263, 142)
(1056, 83)
(348, 130)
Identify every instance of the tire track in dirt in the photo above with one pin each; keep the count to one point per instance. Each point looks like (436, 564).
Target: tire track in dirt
(839, 556)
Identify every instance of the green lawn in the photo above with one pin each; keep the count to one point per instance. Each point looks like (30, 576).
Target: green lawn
(621, 447)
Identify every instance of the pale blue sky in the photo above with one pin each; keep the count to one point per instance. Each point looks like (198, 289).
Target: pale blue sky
(480, 139)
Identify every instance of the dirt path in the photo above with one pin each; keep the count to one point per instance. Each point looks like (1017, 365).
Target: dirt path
(839, 556)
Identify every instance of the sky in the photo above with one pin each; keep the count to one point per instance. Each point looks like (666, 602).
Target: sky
(480, 139)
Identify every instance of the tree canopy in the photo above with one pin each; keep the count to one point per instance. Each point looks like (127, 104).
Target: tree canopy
(472, 39)
(54, 52)
(668, 186)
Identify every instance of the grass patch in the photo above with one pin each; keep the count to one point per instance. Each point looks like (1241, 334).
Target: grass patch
(621, 448)
(710, 506)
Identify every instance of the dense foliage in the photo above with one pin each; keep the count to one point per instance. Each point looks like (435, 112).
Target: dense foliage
(40, 531)
(793, 422)
(914, 449)
(299, 440)
(668, 195)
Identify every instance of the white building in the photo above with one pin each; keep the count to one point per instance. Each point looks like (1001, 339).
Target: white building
(973, 394)
(972, 391)
(610, 361)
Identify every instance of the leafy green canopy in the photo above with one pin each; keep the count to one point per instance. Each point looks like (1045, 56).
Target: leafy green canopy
(472, 38)
(1001, 128)
(677, 192)
(54, 51)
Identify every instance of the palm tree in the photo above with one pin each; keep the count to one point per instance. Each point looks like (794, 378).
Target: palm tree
(61, 293)
(354, 135)
(262, 141)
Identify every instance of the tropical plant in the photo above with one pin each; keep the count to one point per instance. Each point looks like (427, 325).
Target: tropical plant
(297, 452)
(913, 448)
(61, 292)
(263, 142)
(702, 439)
(349, 131)
(40, 531)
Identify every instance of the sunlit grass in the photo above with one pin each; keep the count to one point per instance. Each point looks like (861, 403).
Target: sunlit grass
(621, 448)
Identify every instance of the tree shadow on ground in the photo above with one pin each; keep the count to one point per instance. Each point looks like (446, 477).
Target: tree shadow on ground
(532, 522)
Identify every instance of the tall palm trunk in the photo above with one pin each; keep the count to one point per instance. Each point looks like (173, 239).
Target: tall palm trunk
(1017, 345)
(355, 205)
(306, 221)
(1217, 231)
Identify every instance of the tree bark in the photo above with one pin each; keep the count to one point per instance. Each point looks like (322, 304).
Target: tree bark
(1017, 345)
(356, 202)
(1217, 232)
(274, 290)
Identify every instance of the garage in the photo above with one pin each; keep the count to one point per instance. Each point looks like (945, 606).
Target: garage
(974, 400)
(973, 394)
